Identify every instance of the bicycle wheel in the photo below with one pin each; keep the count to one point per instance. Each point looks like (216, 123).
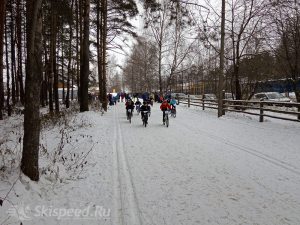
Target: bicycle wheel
(145, 120)
(167, 120)
(130, 117)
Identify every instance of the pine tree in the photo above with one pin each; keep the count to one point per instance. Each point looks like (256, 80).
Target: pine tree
(30, 155)
(84, 61)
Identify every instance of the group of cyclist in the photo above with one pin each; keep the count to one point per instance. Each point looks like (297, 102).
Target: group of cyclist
(167, 104)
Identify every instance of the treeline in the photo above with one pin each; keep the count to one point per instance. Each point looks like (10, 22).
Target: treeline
(180, 48)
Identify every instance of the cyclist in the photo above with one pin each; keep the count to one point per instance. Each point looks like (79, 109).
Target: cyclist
(164, 107)
(129, 107)
(137, 105)
(173, 106)
(144, 108)
(173, 103)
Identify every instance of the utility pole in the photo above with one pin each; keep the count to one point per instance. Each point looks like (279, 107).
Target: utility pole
(221, 72)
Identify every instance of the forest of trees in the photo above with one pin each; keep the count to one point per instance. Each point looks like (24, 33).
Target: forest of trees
(46, 44)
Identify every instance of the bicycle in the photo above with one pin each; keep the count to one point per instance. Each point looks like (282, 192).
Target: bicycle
(166, 118)
(173, 112)
(129, 115)
(145, 118)
(137, 108)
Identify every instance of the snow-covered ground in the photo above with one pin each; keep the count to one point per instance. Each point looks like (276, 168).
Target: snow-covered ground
(200, 170)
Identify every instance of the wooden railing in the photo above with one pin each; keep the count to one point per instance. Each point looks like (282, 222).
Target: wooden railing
(257, 108)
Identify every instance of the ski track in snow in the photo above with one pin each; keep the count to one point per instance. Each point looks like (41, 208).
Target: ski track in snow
(125, 200)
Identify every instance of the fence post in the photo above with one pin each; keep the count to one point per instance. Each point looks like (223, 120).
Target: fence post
(223, 102)
(189, 101)
(261, 112)
(203, 105)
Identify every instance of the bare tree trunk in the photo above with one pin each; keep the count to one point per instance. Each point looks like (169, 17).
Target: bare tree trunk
(221, 72)
(238, 91)
(30, 155)
(2, 20)
(20, 54)
(99, 47)
(104, 36)
(42, 94)
(159, 68)
(79, 44)
(84, 61)
(72, 86)
(13, 56)
(8, 106)
(62, 66)
(17, 85)
(69, 63)
(50, 90)
(52, 75)
(54, 58)
(44, 87)
(67, 99)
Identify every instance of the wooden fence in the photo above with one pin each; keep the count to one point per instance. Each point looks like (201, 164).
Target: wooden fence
(280, 110)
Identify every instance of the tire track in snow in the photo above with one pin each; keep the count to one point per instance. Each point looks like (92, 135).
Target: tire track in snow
(125, 201)
(246, 149)
(117, 218)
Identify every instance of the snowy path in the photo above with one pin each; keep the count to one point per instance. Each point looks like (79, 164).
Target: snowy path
(204, 170)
